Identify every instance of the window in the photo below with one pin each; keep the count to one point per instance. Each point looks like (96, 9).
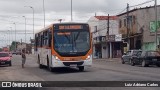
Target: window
(50, 37)
(120, 23)
(134, 19)
(95, 28)
(125, 22)
(153, 54)
(4, 55)
(45, 37)
(41, 40)
(36, 42)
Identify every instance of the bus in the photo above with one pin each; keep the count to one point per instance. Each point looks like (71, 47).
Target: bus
(64, 45)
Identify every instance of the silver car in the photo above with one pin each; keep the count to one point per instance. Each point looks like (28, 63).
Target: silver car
(127, 57)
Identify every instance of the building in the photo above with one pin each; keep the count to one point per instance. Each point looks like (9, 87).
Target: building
(5, 49)
(32, 42)
(22, 45)
(141, 28)
(104, 44)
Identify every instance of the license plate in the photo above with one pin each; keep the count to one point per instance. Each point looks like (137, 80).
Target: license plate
(154, 59)
(73, 65)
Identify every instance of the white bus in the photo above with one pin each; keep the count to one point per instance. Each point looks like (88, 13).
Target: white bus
(64, 45)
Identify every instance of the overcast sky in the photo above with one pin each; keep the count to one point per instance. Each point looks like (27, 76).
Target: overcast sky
(12, 11)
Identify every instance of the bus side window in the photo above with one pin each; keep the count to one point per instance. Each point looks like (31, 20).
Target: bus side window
(50, 38)
(41, 41)
(36, 42)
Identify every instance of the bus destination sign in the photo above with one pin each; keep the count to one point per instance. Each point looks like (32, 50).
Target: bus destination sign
(62, 27)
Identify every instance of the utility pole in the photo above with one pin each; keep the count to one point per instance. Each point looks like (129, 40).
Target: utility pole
(156, 23)
(25, 28)
(33, 18)
(11, 34)
(15, 44)
(9, 37)
(128, 41)
(44, 12)
(108, 27)
(110, 46)
(71, 11)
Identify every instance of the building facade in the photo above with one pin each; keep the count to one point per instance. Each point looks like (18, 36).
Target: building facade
(141, 28)
(104, 37)
(28, 47)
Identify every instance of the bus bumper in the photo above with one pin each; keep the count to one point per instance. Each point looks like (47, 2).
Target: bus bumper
(59, 63)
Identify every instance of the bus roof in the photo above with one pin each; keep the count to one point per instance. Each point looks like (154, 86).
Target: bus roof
(63, 23)
(68, 23)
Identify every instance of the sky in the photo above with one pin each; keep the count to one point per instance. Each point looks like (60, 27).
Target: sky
(12, 11)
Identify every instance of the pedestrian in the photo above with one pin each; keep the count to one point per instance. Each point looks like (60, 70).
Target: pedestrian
(23, 57)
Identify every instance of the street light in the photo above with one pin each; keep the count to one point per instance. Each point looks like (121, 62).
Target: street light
(8, 37)
(33, 18)
(11, 33)
(11, 39)
(71, 11)
(25, 27)
(15, 36)
(44, 12)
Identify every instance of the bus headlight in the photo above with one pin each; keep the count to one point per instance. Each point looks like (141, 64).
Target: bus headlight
(88, 57)
(56, 58)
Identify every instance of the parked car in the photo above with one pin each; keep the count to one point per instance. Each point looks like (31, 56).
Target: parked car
(147, 58)
(127, 57)
(16, 52)
(5, 58)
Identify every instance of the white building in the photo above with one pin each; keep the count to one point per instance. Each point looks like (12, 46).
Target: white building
(104, 43)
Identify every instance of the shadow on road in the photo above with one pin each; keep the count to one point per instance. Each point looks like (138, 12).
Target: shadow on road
(64, 70)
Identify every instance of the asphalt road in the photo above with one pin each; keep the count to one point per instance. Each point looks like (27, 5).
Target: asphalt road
(101, 70)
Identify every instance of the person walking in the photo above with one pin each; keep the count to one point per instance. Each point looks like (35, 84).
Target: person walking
(23, 57)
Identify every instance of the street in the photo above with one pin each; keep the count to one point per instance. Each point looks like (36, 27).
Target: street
(101, 70)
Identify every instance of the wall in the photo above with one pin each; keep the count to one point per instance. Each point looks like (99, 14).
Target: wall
(145, 16)
(132, 24)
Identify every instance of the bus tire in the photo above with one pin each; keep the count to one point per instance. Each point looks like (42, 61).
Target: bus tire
(48, 66)
(81, 68)
(40, 65)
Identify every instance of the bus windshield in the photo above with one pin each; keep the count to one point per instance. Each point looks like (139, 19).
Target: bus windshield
(71, 42)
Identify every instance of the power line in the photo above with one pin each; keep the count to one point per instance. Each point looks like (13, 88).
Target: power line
(17, 22)
(122, 11)
(135, 6)
(142, 3)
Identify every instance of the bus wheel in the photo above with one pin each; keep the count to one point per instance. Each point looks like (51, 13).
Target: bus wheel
(40, 65)
(81, 68)
(48, 66)
(51, 69)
